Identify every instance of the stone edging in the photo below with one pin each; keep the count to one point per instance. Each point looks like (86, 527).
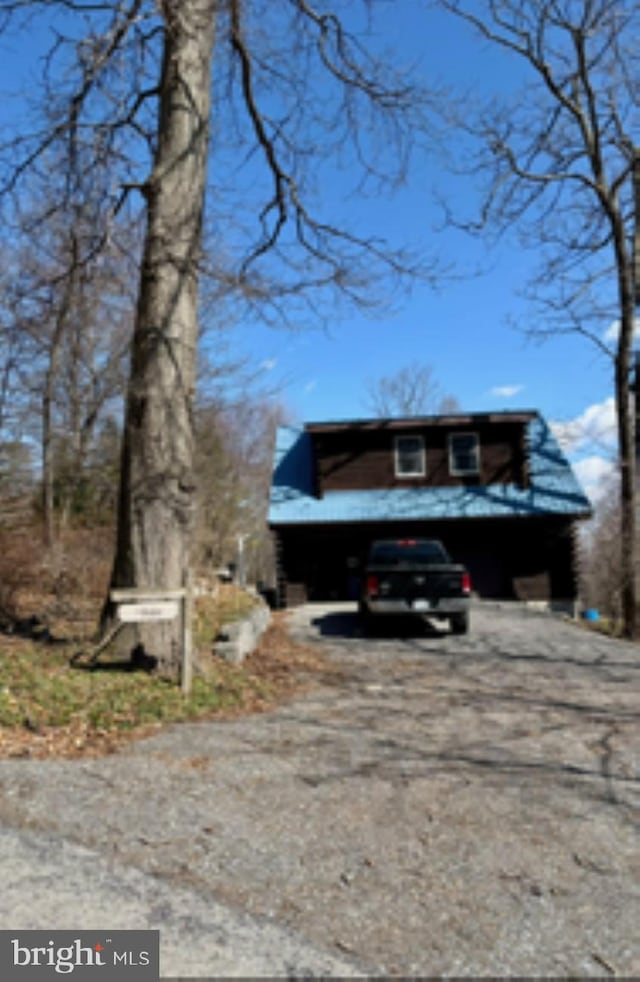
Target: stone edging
(239, 638)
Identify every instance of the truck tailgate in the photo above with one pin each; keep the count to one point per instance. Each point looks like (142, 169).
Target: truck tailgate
(409, 584)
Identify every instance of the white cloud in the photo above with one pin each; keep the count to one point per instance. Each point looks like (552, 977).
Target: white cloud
(595, 427)
(591, 441)
(612, 332)
(595, 474)
(268, 364)
(506, 391)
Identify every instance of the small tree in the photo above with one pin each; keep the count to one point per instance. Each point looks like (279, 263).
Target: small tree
(600, 560)
(234, 443)
(411, 391)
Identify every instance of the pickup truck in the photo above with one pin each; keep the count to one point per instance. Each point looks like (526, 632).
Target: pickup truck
(414, 577)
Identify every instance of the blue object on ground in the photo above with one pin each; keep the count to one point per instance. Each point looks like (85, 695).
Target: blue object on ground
(591, 615)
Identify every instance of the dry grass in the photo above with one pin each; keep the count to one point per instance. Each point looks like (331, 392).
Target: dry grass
(287, 666)
(49, 709)
(60, 587)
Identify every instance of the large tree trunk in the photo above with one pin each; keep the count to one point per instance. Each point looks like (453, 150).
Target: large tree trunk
(626, 425)
(628, 477)
(156, 484)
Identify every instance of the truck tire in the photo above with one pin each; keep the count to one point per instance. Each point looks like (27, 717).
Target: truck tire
(367, 626)
(366, 620)
(460, 624)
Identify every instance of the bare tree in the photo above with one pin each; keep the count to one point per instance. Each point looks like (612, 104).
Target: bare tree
(411, 391)
(67, 309)
(292, 91)
(234, 443)
(17, 484)
(557, 157)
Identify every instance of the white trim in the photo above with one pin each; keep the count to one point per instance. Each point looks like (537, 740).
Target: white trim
(396, 455)
(461, 471)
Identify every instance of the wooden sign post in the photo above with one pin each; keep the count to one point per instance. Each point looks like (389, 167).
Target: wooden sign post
(139, 606)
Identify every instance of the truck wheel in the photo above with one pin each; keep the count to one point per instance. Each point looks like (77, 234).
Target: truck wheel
(366, 621)
(368, 626)
(460, 624)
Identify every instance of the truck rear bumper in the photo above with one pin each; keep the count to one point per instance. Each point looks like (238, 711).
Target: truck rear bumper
(443, 607)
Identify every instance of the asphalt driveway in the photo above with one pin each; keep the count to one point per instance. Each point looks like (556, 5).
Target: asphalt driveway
(436, 805)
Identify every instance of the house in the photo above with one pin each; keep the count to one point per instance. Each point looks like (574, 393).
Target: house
(494, 487)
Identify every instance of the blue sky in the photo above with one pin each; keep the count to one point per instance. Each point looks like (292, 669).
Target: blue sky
(462, 333)
(461, 330)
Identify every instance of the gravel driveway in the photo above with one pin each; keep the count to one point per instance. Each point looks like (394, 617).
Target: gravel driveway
(438, 805)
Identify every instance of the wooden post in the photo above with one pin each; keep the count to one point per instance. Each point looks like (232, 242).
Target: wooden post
(636, 421)
(135, 606)
(636, 364)
(187, 637)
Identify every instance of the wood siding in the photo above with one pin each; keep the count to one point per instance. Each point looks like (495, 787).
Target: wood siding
(358, 458)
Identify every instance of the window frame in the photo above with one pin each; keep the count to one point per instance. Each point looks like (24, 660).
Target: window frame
(456, 471)
(408, 475)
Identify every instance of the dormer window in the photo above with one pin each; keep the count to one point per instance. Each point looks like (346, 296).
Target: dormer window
(464, 454)
(409, 456)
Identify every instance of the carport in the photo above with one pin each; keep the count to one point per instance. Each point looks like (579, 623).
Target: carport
(516, 559)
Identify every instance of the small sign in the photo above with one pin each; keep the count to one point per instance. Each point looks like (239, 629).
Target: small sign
(158, 610)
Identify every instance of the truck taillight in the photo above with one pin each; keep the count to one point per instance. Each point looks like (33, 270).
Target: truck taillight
(466, 583)
(372, 585)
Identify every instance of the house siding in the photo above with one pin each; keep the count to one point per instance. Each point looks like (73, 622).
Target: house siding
(362, 458)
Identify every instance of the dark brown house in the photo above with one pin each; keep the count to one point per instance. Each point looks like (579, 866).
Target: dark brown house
(494, 487)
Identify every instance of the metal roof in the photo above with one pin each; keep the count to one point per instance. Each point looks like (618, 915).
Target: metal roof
(414, 422)
(553, 489)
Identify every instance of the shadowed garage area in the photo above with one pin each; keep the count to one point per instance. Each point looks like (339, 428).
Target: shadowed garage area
(529, 557)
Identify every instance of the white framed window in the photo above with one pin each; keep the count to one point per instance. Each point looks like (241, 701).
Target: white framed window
(464, 454)
(409, 456)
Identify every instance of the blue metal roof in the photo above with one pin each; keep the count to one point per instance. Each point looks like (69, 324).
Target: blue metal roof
(553, 489)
